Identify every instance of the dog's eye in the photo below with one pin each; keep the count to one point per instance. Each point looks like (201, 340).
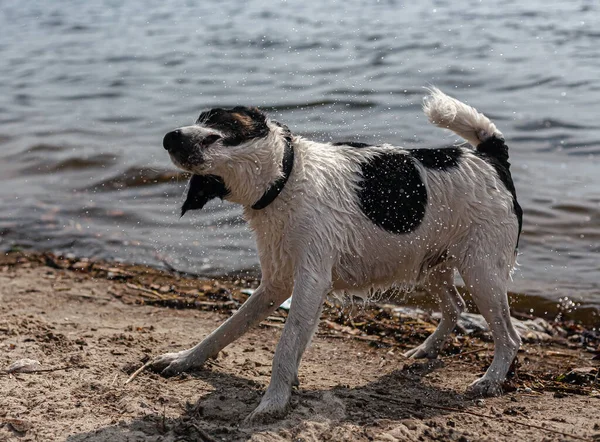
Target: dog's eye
(210, 140)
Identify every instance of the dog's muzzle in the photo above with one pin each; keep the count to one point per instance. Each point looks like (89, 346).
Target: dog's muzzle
(181, 148)
(173, 141)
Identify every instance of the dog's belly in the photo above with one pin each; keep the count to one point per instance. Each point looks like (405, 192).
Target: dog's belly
(381, 269)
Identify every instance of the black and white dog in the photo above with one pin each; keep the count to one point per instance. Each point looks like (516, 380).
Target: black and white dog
(355, 218)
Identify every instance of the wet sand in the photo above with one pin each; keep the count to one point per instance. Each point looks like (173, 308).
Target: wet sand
(90, 324)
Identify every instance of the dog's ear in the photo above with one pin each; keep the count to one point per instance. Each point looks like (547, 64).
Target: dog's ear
(202, 189)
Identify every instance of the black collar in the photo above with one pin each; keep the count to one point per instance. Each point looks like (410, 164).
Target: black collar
(275, 189)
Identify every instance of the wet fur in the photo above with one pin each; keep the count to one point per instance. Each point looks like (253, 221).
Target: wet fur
(318, 236)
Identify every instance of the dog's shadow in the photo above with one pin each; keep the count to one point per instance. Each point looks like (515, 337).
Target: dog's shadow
(219, 414)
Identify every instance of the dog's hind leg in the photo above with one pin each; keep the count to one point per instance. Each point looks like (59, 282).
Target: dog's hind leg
(440, 283)
(309, 293)
(260, 305)
(488, 289)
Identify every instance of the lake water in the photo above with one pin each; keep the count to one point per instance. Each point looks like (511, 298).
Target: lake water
(88, 89)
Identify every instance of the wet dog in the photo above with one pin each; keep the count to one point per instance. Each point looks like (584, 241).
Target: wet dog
(355, 218)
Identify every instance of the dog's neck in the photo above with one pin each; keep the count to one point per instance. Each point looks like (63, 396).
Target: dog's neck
(277, 186)
(256, 180)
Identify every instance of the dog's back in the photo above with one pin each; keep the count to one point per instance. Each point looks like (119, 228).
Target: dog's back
(391, 215)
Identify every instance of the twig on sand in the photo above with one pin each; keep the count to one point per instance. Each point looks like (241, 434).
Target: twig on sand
(155, 295)
(67, 367)
(114, 379)
(473, 413)
(268, 324)
(147, 364)
(375, 339)
(138, 371)
(81, 295)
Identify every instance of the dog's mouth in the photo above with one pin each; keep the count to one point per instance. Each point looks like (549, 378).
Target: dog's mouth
(183, 163)
(190, 161)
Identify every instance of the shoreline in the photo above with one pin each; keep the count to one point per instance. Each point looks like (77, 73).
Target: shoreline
(523, 306)
(91, 323)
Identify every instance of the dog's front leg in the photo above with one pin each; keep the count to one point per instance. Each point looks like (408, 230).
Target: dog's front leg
(309, 293)
(260, 305)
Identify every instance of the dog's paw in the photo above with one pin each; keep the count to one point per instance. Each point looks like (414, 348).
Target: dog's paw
(268, 411)
(483, 387)
(422, 352)
(170, 364)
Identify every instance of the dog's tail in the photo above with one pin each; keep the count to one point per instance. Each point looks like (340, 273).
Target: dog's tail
(449, 113)
(478, 130)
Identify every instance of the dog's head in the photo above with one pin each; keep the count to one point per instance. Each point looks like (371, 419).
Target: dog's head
(217, 135)
(234, 153)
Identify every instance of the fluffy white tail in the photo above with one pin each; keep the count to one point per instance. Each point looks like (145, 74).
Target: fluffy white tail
(449, 113)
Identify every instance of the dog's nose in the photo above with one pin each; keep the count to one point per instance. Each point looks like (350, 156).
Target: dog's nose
(172, 140)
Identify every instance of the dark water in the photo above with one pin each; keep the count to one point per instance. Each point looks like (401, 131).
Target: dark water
(88, 88)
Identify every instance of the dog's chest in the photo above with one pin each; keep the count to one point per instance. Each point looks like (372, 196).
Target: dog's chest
(272, 236)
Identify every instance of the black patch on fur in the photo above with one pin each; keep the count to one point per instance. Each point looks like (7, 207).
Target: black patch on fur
(351, 144)
(202, 189)
(238, 124)
(438, 159)
(495, 151)
(392, 193)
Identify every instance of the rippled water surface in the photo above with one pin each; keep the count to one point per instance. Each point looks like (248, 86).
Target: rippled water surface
(88, 88)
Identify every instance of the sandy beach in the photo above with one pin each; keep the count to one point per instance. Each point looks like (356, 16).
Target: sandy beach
(89, 92)
(90, 324)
